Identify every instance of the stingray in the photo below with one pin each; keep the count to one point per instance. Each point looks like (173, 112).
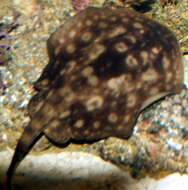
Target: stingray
(105, 66)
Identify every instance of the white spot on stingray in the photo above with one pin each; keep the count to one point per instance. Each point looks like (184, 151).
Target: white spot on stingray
(57, 50)
(131, 100)
(61, 41)
(116, 83)
(116, 31)
(71, 48)
(96, 124)
(87, 71)
(139, 85)
(72, 33)
(112, 117)
(64, 114)
(55, 123)
(103, 24)
(127, 118)
(44, 82)
(86, 36)
(165, 62)
(125, 20)
(169, 76)
(62, 72)
(144, 56)
(131, 61)
(88, 22)
(131, 38)
(70, 66)
(93, 80)
(137, 25)
(121, 47)
(129, 86)
(96, 51)
(153, 91)
(79, 123)
(155, 50)
(48, 110)
(50, 94)
(121, 84)
(93, 103)
(120, 128)
(66, 93)
(79, 24)
(142, 31)
(86, 132)
(150, 75)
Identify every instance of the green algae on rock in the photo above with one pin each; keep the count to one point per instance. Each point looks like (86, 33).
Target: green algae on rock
(105, 67)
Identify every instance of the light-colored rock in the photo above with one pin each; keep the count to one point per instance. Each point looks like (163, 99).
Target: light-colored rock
(81, 171)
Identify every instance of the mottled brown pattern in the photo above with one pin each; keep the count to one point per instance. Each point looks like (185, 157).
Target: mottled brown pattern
(105, 67)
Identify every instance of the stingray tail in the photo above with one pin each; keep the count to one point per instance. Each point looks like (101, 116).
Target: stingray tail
(28, 139)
